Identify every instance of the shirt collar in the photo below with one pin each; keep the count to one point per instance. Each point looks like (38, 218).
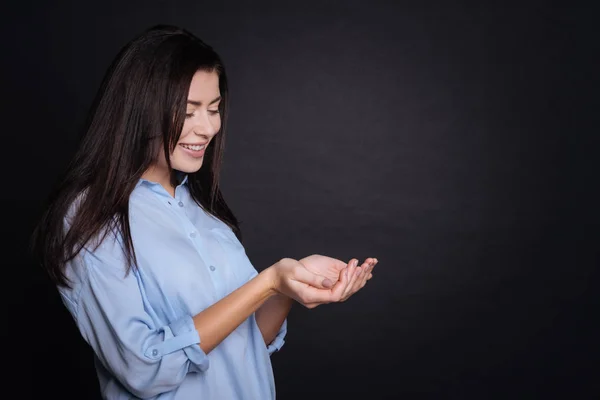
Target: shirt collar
(182, 178)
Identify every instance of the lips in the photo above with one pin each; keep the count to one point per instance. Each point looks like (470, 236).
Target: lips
(194, 150)
(193, 147)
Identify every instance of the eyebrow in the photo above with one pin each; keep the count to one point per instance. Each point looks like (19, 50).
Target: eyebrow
(199, 103)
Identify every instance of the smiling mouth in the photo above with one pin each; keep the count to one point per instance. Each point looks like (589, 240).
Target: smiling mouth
(194, 147)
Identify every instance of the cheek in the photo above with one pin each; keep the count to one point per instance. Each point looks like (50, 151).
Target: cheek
(186, 130)
(217, 124)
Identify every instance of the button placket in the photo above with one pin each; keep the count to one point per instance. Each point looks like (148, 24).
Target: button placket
(193, 234)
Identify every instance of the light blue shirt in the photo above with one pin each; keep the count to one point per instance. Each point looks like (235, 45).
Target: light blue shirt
(140, 325)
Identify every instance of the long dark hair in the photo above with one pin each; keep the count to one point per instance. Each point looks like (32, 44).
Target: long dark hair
(139, 109)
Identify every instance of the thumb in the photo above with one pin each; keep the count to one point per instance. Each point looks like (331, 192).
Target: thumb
(326, 283)
(318, 281)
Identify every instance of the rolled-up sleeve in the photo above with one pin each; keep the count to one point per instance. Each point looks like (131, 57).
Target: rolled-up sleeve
(279, 340)
(114, 319)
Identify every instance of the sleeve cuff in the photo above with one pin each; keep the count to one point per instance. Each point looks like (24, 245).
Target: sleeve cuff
(278, 342)
(181, 335)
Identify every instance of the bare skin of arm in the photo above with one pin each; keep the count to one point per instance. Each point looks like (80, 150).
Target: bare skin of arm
(272, 313)
(286, 278)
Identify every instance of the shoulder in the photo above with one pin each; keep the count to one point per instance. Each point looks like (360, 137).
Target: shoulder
(105, 243)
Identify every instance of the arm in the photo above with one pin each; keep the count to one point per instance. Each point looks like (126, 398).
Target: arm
(149, 359)
(271, 316)
(216, 322)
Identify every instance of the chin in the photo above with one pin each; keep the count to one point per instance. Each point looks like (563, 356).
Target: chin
(188, 168)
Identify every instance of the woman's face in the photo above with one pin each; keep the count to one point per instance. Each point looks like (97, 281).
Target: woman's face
(202, 122)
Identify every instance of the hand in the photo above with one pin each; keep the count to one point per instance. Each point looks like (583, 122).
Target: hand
(324, 266)
(359, 275)
(291, 278)
(353, 278)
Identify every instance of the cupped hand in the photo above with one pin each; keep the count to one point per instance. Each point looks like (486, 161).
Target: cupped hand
(325, 266)
(291, 278)
(353, 278)
(358, 276)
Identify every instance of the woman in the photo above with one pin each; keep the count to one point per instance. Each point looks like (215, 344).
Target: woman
(145, 251)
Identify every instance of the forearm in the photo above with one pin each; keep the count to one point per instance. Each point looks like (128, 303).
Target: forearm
(271, 314)
(216, 322)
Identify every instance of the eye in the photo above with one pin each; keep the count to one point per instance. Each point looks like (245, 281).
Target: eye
(189, 115)
(213, 112)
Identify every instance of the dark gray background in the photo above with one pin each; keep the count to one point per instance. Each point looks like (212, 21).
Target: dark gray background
(452, 142)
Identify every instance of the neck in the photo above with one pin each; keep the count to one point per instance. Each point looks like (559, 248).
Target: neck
(165, 178)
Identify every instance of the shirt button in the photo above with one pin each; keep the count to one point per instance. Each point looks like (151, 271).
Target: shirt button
(181, 204)
(212, 268)
(154, 352)
(193, 234)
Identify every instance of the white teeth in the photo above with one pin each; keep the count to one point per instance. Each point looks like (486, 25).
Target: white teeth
(193, 147)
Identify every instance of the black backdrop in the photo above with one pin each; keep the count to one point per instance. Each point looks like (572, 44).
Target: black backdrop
(450, 141)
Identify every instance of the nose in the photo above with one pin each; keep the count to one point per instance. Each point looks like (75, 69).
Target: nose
(205, 127)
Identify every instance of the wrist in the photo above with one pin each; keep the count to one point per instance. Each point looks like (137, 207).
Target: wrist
(270, 278)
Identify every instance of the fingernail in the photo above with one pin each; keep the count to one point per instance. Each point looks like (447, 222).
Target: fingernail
(355, 263)
(327, 283)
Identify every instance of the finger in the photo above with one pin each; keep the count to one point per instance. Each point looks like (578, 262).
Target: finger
(370, 271)
(370, 274)
(303, 275)
(353, 273)
(365, 276)
(340, 287)
(360, 280)
(358, 283)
